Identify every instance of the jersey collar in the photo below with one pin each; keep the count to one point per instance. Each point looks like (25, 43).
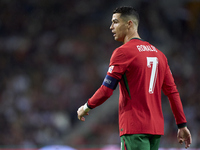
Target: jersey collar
(137, 39)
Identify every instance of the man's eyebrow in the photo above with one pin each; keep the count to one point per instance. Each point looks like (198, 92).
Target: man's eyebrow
(115, 20)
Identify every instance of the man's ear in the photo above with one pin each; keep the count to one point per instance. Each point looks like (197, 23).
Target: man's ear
(130, 24)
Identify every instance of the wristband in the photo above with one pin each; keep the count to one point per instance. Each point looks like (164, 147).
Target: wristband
(182, 125)
(86, 108)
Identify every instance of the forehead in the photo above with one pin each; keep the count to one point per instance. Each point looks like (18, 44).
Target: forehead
(116, 16)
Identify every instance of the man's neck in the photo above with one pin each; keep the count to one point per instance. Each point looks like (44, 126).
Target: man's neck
(131, 36)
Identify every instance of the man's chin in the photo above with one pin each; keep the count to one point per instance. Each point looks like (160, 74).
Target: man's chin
(117, 39)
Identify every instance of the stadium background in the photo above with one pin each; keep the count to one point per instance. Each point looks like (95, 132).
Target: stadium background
(54, 54)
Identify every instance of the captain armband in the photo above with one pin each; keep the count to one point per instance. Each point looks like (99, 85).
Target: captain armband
(110, 82)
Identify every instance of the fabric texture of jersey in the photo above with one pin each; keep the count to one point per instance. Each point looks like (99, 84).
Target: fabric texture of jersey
(142, 71)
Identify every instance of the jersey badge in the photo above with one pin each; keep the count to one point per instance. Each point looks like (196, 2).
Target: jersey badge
(110, 69)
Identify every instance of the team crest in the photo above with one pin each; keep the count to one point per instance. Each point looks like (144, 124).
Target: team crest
(110, 69)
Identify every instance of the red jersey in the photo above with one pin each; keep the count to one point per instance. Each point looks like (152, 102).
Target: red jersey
(142, 71)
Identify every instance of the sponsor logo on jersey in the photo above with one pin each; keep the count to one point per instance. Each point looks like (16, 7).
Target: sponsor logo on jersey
(146, 48)
(110, 69)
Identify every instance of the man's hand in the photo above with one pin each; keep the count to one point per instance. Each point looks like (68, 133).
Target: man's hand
(81, 112)
(184, 135)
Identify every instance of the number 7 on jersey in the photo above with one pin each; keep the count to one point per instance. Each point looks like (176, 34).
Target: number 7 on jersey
(152, 62)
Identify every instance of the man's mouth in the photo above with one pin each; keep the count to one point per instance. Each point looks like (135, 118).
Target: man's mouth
(114, 34)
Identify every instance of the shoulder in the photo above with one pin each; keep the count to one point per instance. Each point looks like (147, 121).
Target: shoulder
(118, 53)
(127, 47)
(162, 54)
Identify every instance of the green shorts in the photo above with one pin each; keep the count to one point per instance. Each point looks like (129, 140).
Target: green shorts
(140, 142)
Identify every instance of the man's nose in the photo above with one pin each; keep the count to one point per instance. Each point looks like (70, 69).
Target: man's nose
(111, 26)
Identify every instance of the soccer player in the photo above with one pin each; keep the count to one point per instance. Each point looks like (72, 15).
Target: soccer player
(142, 71)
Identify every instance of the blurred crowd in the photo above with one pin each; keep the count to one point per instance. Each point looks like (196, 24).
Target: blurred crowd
(55, 54)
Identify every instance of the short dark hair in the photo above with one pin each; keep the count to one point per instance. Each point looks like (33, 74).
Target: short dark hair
(127, 11)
